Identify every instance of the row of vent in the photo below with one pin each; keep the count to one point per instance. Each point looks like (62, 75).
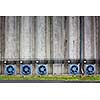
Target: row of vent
(42, 69)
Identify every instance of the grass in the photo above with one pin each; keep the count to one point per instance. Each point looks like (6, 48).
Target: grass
(50, 77)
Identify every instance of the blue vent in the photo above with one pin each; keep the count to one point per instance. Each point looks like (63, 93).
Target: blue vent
(74, 69)
(10, 70)
(90, 69)
(42, 69)
(26, 69)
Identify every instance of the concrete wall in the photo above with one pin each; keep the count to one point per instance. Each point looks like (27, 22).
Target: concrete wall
(26, 38)
(89, 38)
(57, 37)
(74, 38)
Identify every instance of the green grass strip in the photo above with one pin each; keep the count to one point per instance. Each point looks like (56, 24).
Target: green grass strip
(49, 77)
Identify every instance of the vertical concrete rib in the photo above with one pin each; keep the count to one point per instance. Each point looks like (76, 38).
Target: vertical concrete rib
(74, 38)
(26, 38)
(40, 38)
(58, 52)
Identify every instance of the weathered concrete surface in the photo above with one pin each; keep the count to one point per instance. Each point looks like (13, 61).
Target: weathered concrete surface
(74, 38)
(58, 44)
(11, 52)
(40, 38)
(47, 39)
(57, 37)
(97, 33)
(89, 38)
(2, 41)
(26, 38)
(11, 40)
(66, 42)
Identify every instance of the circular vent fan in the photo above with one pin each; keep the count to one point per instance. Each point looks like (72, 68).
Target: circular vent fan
(74, 69)
(90, 69)
(26, 69)
(10, 70)
(42, 69)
